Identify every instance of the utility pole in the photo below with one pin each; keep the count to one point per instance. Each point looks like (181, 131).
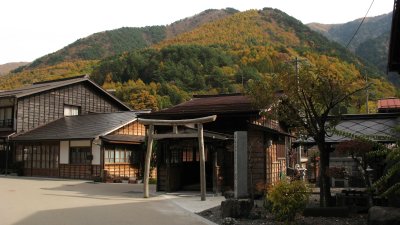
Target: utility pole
(296, 62)
(296, 66)
(366, 90)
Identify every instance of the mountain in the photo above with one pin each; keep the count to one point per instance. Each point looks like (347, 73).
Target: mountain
(195, 21)
(223, 55)
(217, 51)
(107, 43)
(371, 42)
(8, 67)
(60, 70)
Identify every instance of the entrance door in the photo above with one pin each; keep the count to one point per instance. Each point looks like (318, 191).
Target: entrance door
(178, 166)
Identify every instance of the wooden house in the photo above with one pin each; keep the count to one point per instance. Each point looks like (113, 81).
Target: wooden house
(389, 105)
(239, 139)
(84, 147)
(54, 129)
(378, 127)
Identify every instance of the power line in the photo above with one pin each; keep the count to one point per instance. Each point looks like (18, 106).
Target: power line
(358, 28)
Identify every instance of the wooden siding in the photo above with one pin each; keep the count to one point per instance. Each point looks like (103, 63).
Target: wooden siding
(275, 165)
(256, 163)
(266, 122)
(134, 128)
(42, 108)
(121, 170)
(266, 165)
(37, 172)
(162, 178)
(85, 172)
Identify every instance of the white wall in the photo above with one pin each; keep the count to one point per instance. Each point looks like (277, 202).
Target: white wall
(96, 153)
(64, 152)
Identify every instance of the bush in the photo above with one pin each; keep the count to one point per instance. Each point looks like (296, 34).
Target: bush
(288, 198)
(152, 181)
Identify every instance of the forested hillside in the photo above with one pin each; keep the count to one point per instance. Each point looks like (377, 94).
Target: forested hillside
(220, 56)
(102, 44)
(107, 43)
(60, 70)
(371, 42)
(83, 53)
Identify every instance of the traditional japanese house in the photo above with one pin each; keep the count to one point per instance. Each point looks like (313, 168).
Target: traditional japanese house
(28, 108)
(240, 139)
(378, 127)
(84, 147)
(389, 105)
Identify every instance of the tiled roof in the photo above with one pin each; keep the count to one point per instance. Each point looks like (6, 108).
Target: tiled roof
(49, 85)
(123, 138)
(79, 127)
(210, 104)
(389, 103)
(378, 127)
(41, 86)
(6, 134)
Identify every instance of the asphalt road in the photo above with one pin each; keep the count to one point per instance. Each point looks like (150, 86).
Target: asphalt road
(35, 201)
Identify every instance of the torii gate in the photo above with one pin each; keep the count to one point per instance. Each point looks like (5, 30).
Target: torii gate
(151, 136)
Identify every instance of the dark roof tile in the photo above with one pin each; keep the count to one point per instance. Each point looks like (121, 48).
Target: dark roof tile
(79, 127)
(210, 104)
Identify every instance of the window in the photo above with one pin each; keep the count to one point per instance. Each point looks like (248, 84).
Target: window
(19, 153)
(187, 155)
(175, 156)
(80, 155)
(121, 154)
(6, 117)
(37, 155)
(71, 110)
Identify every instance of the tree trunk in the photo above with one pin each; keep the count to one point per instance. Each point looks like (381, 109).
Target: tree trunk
(324, 179)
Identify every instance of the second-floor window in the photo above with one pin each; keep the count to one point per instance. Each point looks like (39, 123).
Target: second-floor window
(6, 117)
(71, 110)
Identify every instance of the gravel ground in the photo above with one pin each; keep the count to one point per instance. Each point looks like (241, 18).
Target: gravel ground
(266, 218)
(214, 214)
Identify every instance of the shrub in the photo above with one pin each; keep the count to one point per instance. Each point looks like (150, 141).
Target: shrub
(288, 198)
(152, 181)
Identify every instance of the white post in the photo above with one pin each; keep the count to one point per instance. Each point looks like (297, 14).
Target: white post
(147, 162)
(202, 162)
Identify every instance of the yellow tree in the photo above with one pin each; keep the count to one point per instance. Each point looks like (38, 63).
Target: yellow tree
(144, 100)
(306, 102)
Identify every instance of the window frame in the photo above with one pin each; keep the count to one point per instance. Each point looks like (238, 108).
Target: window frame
(6, 122)
(71, 108)
(85, 161)
(130, 156)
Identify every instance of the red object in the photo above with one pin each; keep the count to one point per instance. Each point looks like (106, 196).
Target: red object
(389, 105)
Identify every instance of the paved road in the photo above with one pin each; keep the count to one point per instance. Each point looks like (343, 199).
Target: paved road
(25, 201)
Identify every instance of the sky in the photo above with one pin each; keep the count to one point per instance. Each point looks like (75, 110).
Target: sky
(30, 29)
